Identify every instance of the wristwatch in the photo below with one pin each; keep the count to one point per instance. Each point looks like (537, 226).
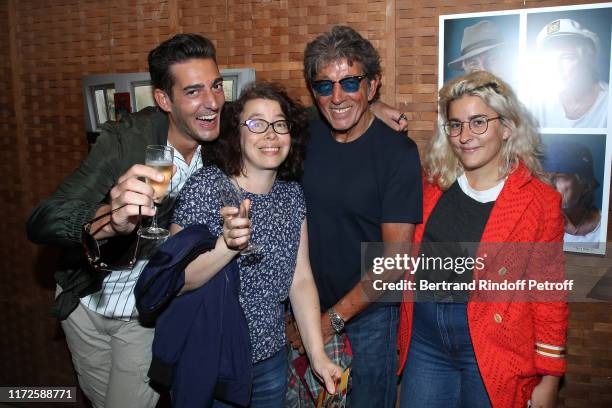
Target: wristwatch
(337, 322)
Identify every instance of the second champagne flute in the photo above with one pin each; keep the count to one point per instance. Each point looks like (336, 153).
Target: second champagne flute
(161, 158)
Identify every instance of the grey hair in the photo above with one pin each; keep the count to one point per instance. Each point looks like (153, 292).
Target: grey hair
(524, 144)
(342, 42)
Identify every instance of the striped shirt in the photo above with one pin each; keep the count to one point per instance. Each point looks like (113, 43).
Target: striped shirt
(116, 298)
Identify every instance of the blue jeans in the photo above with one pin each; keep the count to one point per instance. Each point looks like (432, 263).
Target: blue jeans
(269, 383)
(373, 339)
(441, 369)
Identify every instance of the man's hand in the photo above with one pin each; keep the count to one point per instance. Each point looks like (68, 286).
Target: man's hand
(390, 116)
(130, 193)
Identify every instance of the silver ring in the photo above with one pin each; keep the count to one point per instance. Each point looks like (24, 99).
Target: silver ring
(402, 116)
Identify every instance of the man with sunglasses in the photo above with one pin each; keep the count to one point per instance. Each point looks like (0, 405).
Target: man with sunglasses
(111, 350)
(362, 183)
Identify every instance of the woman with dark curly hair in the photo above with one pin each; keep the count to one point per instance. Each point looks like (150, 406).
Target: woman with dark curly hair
(261, 151)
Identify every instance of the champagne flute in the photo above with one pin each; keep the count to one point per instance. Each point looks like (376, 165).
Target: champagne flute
(161, 159)
(232, 196)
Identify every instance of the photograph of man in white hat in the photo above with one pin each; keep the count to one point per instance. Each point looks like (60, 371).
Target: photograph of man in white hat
(487, 44)
(572, 71)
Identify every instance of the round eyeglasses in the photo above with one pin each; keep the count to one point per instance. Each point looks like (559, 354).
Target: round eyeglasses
(282, 127)
(350, 84)
(478, 125)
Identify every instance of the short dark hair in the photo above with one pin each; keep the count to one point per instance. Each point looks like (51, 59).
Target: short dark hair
(225, 151)
(340, 43)
(180, 48)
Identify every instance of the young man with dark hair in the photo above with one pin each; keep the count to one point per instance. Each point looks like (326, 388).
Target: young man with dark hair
(110, 350)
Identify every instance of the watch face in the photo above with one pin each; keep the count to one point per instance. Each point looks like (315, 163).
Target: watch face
(336, 322)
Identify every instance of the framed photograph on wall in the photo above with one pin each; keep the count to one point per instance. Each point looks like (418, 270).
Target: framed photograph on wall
(482, 43)
(557, 59)
(576, 165)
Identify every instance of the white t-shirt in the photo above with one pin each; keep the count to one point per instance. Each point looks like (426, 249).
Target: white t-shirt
(482, 196)
(550, 113)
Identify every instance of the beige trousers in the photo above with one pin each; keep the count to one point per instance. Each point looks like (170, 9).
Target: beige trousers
(111, 358)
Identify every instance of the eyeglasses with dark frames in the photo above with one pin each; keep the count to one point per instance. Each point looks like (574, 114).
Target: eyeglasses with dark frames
(282, 127)
(350, 84)
(478, 125)
(93, 252)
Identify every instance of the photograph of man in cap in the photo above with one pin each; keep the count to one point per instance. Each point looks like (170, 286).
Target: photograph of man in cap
(572, 172)
(572, 62)
(486, 45)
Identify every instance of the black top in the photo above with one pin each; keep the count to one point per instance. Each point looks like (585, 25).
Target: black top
(351, 189)
(453, 230)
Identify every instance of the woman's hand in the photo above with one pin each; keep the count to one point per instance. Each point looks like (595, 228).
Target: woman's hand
(545, 393)
(326, 371)
(236, 226)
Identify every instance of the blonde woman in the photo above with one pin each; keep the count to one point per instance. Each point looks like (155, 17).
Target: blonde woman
(484, 184)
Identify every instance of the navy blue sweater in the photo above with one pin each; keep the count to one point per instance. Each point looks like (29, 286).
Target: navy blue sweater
(201, 348)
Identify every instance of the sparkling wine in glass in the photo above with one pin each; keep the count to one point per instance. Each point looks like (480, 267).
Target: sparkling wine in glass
(161, 159)
(231, 196)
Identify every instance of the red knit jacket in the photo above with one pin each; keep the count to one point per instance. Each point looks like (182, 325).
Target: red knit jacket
(514, 342)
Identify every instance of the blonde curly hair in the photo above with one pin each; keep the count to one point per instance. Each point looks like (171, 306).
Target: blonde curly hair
(442, 165)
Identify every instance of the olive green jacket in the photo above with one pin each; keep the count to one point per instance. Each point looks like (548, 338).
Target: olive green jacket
(58, 219)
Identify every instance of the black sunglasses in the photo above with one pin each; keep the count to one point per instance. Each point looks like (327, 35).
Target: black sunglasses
(111, 258)
(350, 84)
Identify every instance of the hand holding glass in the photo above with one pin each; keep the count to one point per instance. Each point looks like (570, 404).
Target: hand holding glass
(161, 159)
(232, 196)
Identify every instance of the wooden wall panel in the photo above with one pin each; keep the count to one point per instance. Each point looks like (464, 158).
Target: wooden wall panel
(270, 36)
(47, 46)
(135, 27)
(8, 128)
(588, 382)
(32, 353)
